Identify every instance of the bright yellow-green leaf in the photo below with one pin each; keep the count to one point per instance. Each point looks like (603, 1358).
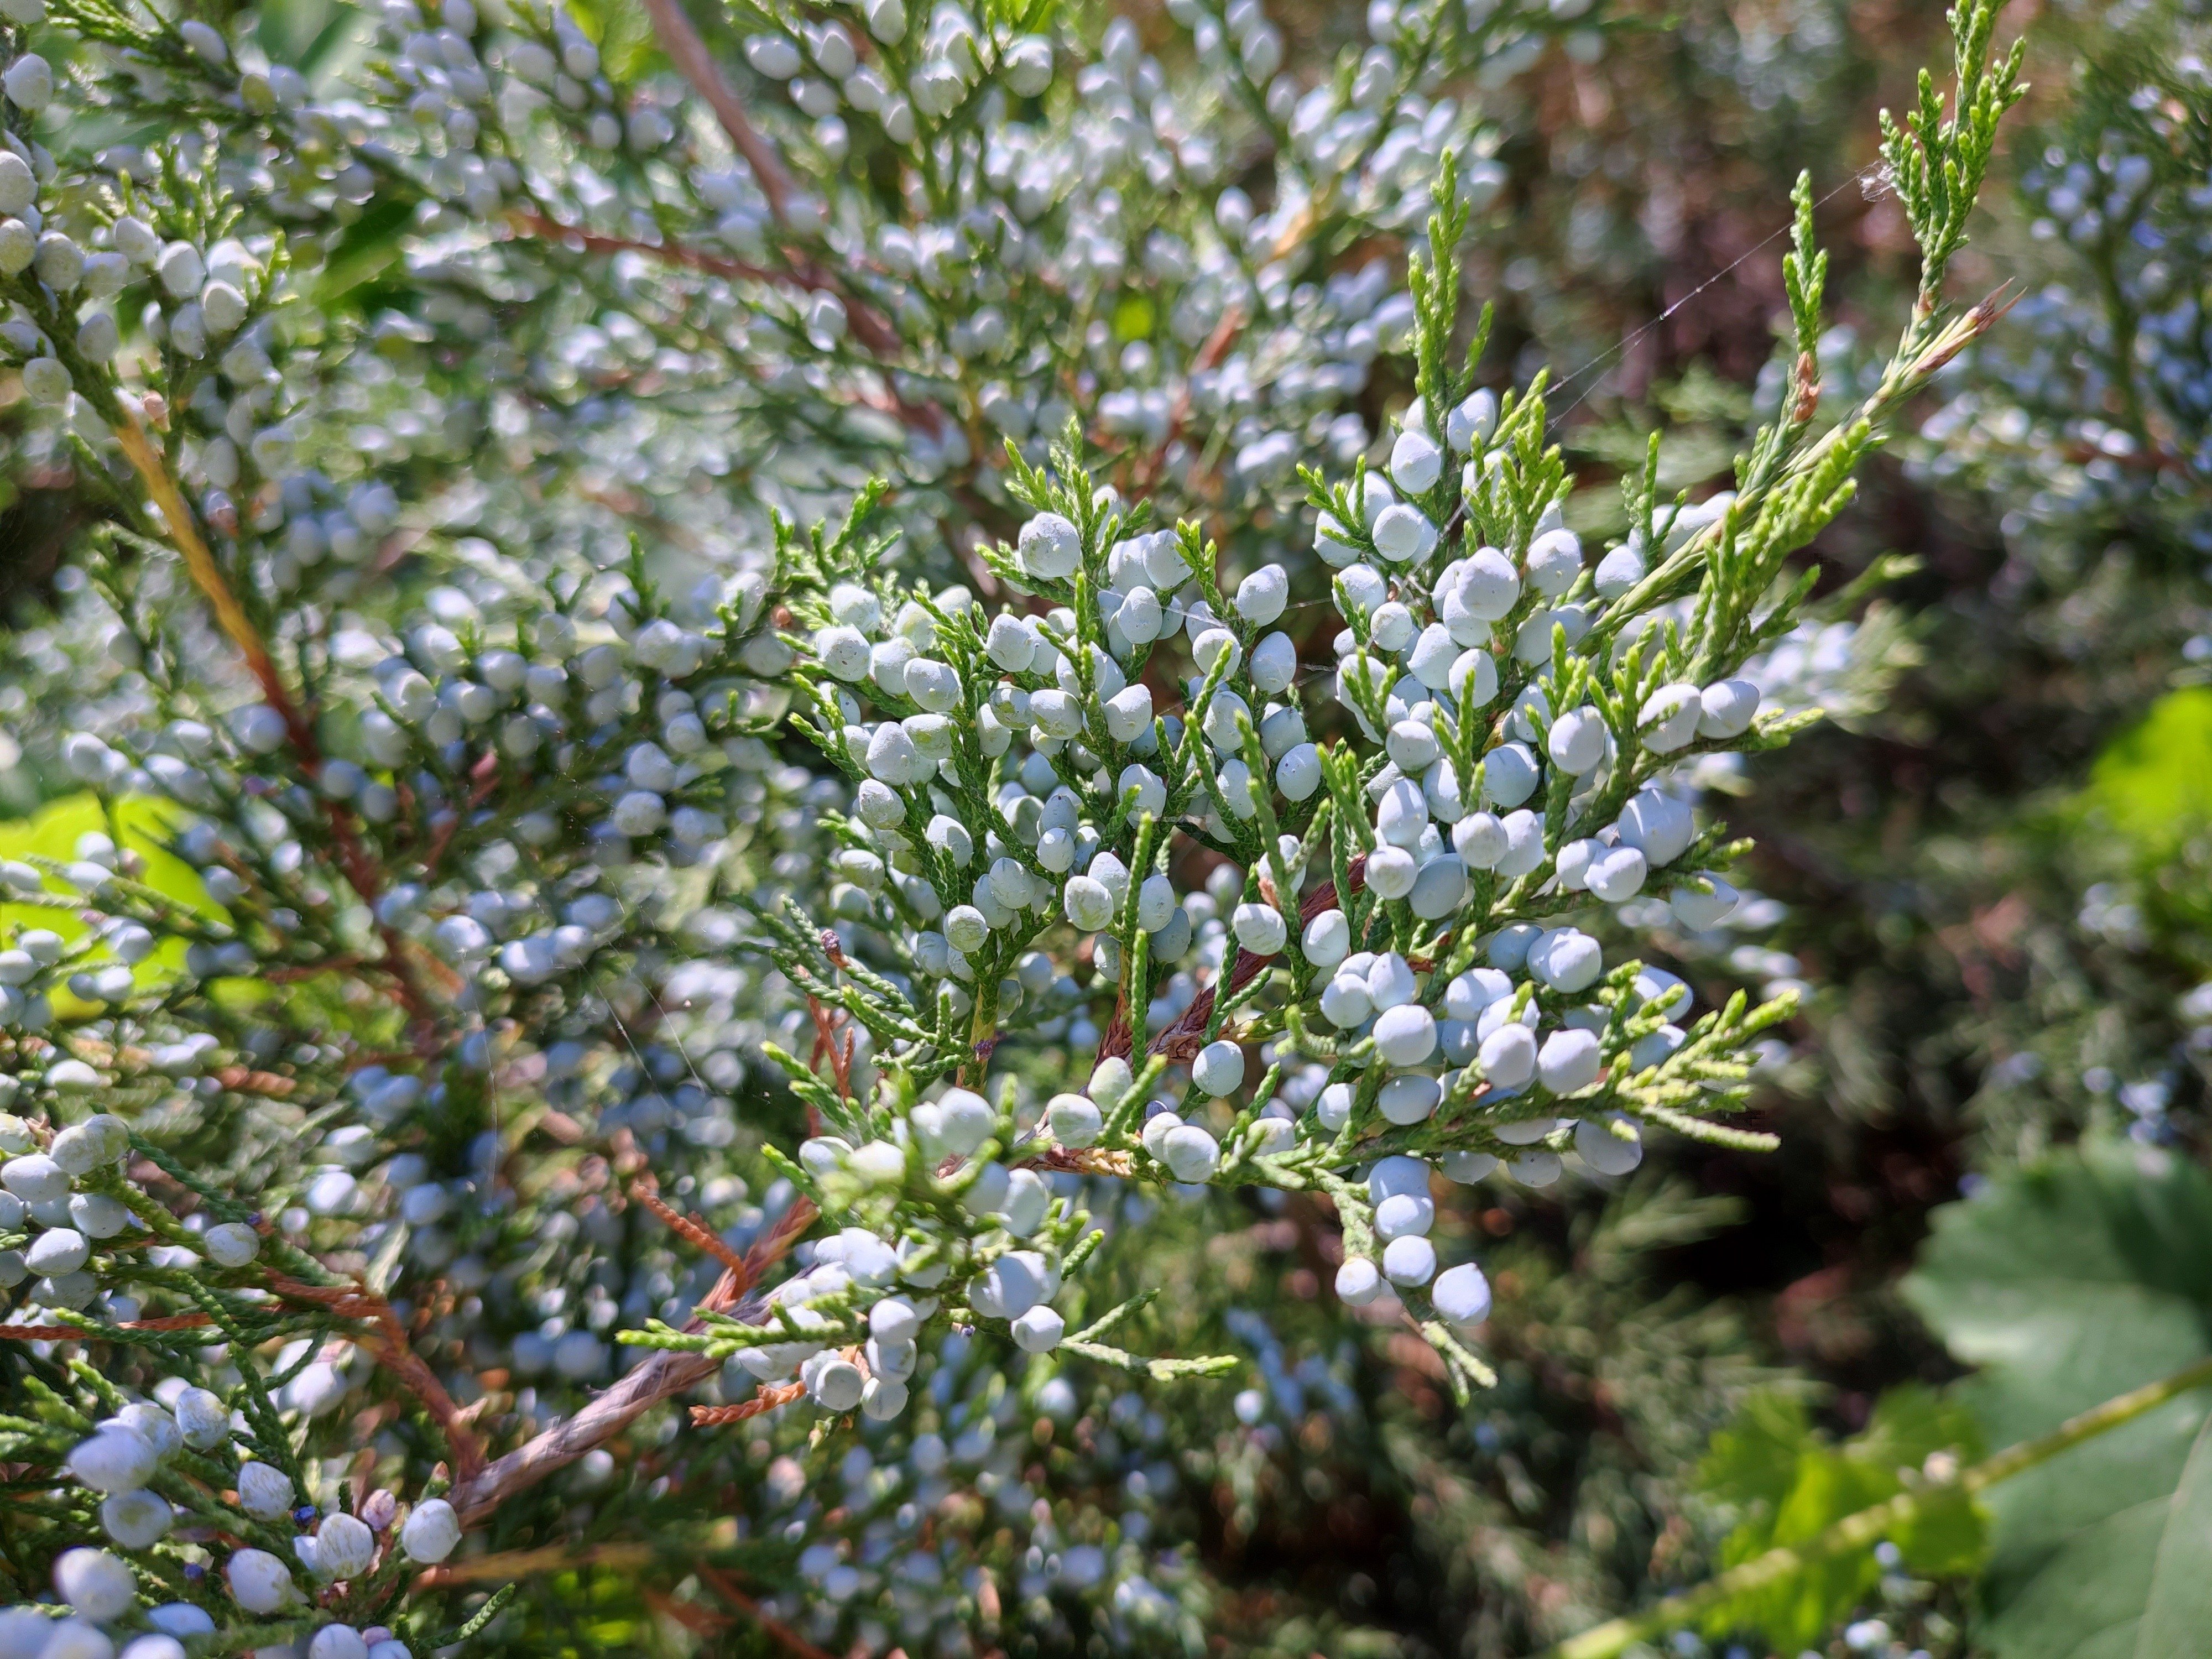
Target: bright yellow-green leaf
(2154, 782)
(623, 32)
(139, 825)
(1132, 318)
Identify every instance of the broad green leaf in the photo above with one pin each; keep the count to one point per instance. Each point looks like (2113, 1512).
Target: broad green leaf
(1791, 1486)
(2178, 1615)
(1946, 1536)
(1753, 1460)
(2070, 1282)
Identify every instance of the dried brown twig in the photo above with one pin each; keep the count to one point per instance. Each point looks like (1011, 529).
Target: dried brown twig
(726, 1586)
(539, 226)
(71, 1333)
(692, 1230)
(506, 1565)
(688, 53)
(871, 331)
(360, 870)
(775, 1395)
(387, 1344)
(667, 1373)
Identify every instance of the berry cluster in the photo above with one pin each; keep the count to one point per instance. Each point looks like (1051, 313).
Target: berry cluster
(677, 803)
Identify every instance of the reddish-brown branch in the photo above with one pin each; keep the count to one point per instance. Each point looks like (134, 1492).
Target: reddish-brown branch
(360, 870)
(1089, 1160)
(1807, 378)
(509, 1564)
(1118, 1039)
(776, 1394)
(207, 576)
(870, 330)
(726, 1587)
(698, 1620)
(874, 333)
(767, 1253)
(674, 253)
(241, 1080)
(827, 1031)
(696, 65)
(690, 1228)
(387, 1345)
(667, 1373)
(690, 54)
(293, 974)
(483, 777)
(71, 1333)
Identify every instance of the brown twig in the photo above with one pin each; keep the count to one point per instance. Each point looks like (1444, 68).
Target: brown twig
(1120, 1038)
(241, 1080)
(72, 1333)
(826, 1045)
(726, 1587)
(776, 1394)
(696, 65)
(669, 1372)
(389, 1347)
(1987, 313)
(873, 332)
(207, 576)
(675, 253)
(767, 1253)
(1089, 1160)
(870, 329)
(360, 870)
(509, 1564)
(483, 777)
(691, 1229)
(698, 1620)
(305, 971)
